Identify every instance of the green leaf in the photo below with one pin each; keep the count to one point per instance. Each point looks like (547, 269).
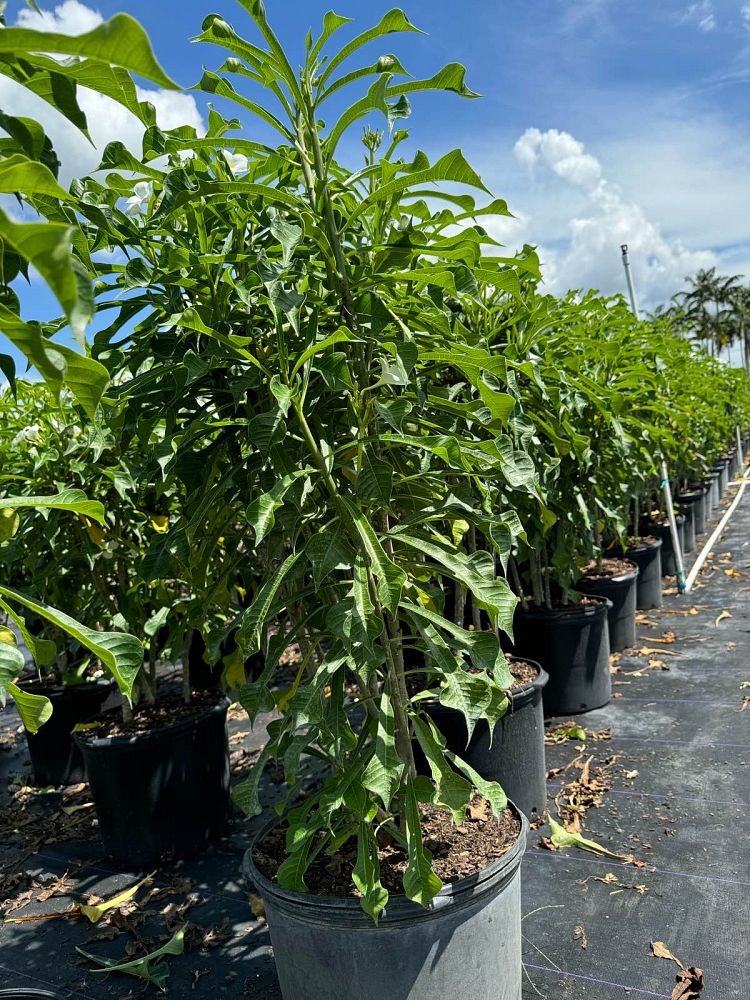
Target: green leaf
(120, 653)
(34, 709)
(489, 790)
(11, 662)
(450, 77)
(389, 577)
(8, 369)
(20, 174)
(375, 481)
(9, 523)
(451, 167)
(328, 550)
(120, 41)
(366, 873)
(253, 620)
(246, 793)
(451, 790)
(421, 884)
(383, 774)
(475, 696)
(72, 500)
(156, 973)
(260, 514)
(331, 23)
(47, 245)
(393, 21)
(562, 838)
(43, 651)
(341, 335)
(477, 573)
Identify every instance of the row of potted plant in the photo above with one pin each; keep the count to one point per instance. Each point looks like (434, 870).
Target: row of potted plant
(337, 419)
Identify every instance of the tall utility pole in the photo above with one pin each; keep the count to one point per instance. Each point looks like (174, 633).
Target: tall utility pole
(665, 484)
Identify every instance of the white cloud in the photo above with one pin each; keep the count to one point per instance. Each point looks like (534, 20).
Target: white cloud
(107, 120)
(701, 14)
(69, 18)
(585, 252)
(745, 15)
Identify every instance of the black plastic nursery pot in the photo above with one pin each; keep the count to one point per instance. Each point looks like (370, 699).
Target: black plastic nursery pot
(663, 531)
(723, 472)
(710, 495)
(511, 754)
(696, 497)
(327, 947)
(571, 643)
(162, 795)
(621, 592)
(646, 555)
(687, 511)
(55, 757)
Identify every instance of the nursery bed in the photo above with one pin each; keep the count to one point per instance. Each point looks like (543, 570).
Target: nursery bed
(685, 813)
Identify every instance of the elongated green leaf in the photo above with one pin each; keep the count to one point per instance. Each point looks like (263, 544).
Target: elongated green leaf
(59, 365)
(393, 21)
(246, 793)
(260, 514)
(342, 335)
(366, 873)
(563, 838)
(331, 24)
(489, 790)
(120, 653)
(43, 651)
(155, 973)
(47, 245)
(11, 663)
(34, 709)
(450, 77)
(389, 577)
(451, 167)
(451, 790)
(421, 884)
(476, 572)
(383, 774)
(121, 41)
(252, 621)
(73, 500)
(20, 174)
(475, 696)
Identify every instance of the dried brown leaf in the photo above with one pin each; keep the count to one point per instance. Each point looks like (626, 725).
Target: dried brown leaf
(579, 934)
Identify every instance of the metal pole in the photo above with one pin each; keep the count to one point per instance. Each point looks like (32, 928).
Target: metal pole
(676, 548)
(740, 455)
(629, 279)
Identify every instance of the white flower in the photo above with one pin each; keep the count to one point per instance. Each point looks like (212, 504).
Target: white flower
(237, 162)
(140, 198)
(32, 434)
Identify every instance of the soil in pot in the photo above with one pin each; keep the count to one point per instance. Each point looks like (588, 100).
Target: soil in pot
(617, 580)
(645, 552)
(160, 782)
(570, 642)
(55, 757)
(512, 753)
(659, 526)
(327, 948)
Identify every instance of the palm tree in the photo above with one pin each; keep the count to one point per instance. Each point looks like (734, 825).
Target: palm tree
(708, 307)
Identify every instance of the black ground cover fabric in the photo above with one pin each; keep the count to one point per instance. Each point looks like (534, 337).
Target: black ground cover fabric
(679, 801)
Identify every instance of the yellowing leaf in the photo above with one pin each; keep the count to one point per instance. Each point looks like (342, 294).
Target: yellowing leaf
(95, 533)
(563, 838)
(96, 911)
(160, 523)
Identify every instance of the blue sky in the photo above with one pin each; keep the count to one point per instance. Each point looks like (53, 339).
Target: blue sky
(601, 122)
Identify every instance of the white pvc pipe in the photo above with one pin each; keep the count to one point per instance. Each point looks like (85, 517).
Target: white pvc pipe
(740, 456)
(629, 279)
(673, 528)
(693, 574)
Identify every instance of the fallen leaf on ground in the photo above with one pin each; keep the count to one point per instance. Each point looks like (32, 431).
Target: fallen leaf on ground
(722, 616)
(745, 703)
(96, 910)
(660, 950)
(256, 906)
(667, 638)
(563, 838)
(611, 879)
(562, 734)
(579, 934)
(71, 810)
(631, 774)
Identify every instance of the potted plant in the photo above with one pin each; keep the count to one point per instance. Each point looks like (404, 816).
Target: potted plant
(330, 346)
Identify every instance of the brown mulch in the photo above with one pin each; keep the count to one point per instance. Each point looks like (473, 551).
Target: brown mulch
(457, 851)
(610, 567)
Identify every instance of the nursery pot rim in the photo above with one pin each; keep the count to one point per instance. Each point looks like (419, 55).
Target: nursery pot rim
(346, 911)
(595, 605)
(642, 545)
(54, 688)
(26, 993)
(619, 578)
(89, 741)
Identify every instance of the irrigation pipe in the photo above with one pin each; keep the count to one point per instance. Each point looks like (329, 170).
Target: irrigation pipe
(716, 535)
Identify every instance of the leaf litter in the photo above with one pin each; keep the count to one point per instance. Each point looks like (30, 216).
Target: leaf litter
(689, 980)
